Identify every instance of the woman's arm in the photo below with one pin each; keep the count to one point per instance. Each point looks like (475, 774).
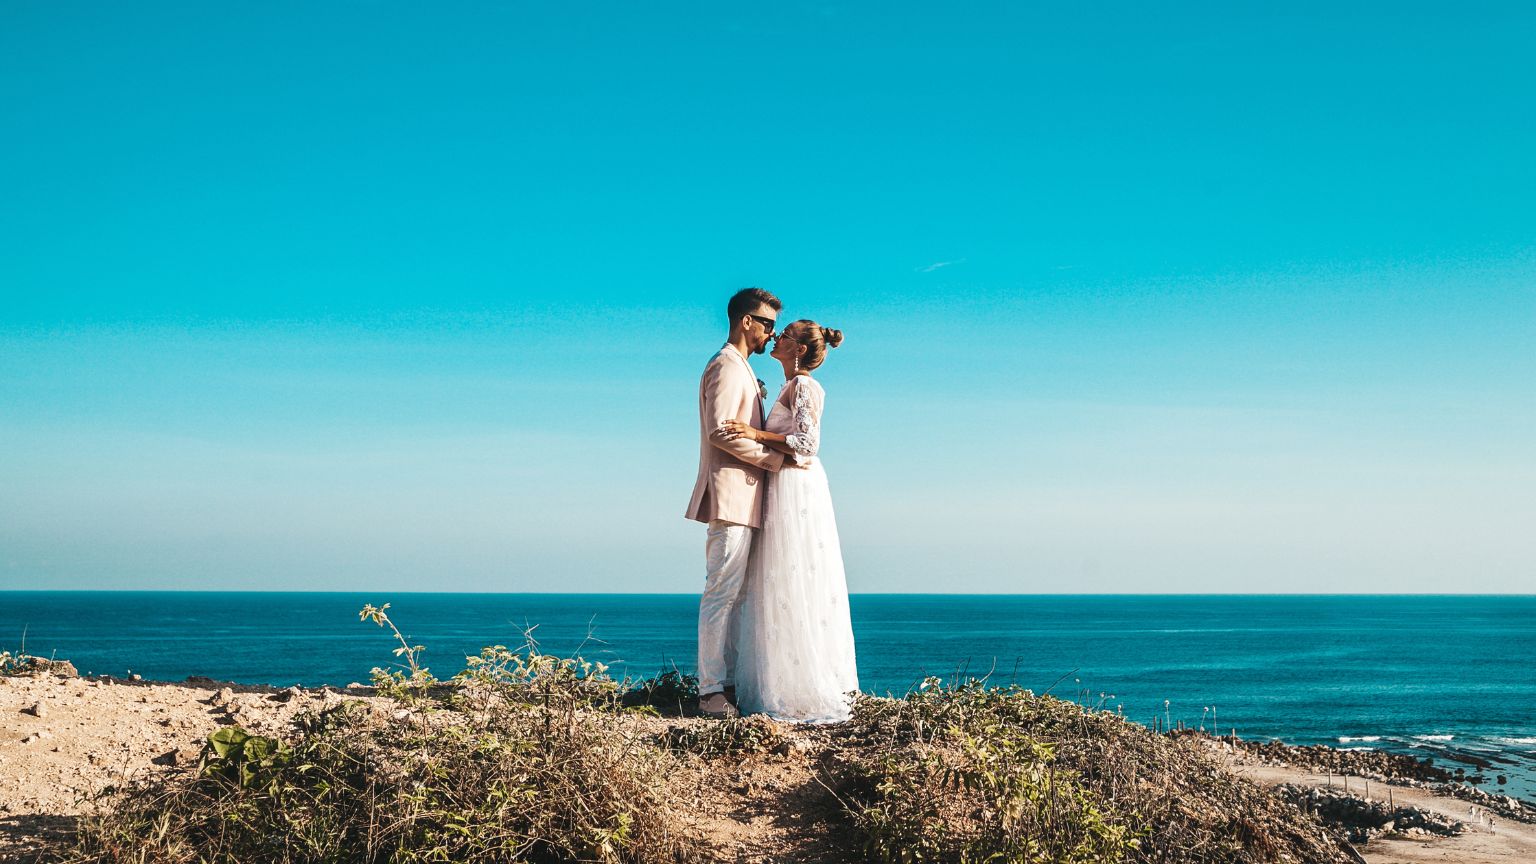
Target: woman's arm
(732, 429)
(802, 443)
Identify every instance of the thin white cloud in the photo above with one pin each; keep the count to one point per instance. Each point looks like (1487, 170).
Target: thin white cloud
(937, 264)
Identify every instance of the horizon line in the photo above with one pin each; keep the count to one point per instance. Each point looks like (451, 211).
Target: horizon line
(693, 594)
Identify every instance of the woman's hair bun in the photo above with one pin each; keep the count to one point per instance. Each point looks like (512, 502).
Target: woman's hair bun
(834, 338)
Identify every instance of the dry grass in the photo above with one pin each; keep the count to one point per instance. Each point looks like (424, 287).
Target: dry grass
(527, 757)
(970, 773)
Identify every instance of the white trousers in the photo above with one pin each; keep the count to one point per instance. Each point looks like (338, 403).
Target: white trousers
(727, 546)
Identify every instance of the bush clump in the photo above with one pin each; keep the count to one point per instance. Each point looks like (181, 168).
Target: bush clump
(969, 773)
(525, 758)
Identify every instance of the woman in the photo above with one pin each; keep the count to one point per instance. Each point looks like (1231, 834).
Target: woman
(795, 657)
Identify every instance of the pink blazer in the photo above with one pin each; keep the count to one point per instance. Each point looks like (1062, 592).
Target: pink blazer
(730, 482)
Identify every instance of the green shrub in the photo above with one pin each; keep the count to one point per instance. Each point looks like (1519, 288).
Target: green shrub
(968, 773)
(671, 692)
(526, 758)
(970, 783)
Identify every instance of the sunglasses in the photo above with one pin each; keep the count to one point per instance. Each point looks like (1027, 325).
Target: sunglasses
(766, 322)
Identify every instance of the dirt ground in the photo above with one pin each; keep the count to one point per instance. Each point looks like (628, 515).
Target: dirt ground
(64, 738)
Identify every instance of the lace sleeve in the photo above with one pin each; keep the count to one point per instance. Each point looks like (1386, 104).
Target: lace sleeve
(806, 413)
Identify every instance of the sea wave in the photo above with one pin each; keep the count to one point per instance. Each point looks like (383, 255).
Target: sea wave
(1433, 737)
(1346, 739)
(1515, 741)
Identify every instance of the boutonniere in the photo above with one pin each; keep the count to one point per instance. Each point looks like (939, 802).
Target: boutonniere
(762, 390)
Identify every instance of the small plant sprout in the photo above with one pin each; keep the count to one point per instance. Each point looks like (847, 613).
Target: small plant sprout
(420, 678)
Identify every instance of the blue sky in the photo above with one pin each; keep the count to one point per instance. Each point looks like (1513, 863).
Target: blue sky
(377, 296)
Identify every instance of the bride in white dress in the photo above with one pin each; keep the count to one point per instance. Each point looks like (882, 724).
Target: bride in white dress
(795, 658)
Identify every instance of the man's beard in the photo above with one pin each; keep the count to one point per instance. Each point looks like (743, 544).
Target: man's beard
(761, 348)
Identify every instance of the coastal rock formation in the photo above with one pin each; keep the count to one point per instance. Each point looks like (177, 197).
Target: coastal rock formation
(1378, 766)
(1375, 764)
(26, 664)
(1364, 819)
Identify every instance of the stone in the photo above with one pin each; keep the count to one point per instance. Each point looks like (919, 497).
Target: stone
(288, 695)
(62, 668)
(36, 709)
(223, 697)
(135, 677)
(791, 746)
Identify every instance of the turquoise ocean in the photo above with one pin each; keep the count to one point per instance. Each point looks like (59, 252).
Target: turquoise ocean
(1448, 677)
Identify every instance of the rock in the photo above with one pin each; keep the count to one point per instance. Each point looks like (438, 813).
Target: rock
(63, 669)
(232, 708)
(223, 697)
(288, 695)
(135, 677)
(791, 746)
(29, 665)
(36, 709)
(200, 679)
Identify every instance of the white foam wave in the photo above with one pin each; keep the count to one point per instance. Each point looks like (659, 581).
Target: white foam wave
(1515, 741)
(1346, 739)
(1433, 737)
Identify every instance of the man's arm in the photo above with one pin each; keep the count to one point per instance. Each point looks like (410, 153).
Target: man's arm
(723, 392)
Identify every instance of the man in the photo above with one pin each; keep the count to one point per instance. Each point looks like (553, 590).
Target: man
(728, 494)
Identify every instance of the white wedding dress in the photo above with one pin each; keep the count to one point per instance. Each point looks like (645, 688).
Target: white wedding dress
(795, 657)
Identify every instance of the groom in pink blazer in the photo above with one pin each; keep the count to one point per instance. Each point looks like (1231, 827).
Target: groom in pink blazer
(728, 495)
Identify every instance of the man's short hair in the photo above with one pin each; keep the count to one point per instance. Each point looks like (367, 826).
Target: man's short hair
(746, 301)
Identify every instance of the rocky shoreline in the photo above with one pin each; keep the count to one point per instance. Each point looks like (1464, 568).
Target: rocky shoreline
(1379, 766)
(1363, 819)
